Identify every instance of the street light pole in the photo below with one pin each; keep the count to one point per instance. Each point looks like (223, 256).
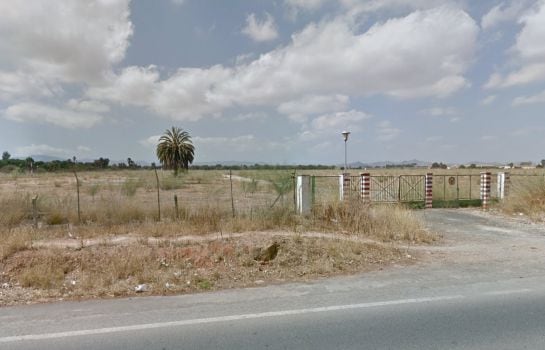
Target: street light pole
(345, 136)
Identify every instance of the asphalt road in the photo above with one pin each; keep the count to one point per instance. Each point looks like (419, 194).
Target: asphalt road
(483, 289)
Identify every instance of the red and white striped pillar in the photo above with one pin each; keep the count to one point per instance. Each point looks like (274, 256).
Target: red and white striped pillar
(485, 189)
(365, 183)
(429, 190)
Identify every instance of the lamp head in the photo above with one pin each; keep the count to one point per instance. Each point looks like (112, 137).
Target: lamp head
(345, 135)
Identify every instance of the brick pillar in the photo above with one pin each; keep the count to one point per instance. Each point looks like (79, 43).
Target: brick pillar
(429, 190)
(365, 189)
(485, 189)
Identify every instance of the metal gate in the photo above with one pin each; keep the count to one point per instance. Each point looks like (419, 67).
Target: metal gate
(402, 188)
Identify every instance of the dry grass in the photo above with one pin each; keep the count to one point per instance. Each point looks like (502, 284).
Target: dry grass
(13, 241)
(14, 209)
(386, 223)
(526, 197)
(123, 204)
(173, 268)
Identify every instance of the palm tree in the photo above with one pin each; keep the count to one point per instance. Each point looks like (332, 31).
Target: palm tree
(175, 149)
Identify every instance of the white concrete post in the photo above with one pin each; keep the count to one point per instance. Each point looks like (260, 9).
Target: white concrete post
(304, 200)
(501, 185)
(344, 186)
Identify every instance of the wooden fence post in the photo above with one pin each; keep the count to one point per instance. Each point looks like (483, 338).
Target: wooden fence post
(158, 196)
(35, 211)
(232, 199)
(176, 206)
(77, 191)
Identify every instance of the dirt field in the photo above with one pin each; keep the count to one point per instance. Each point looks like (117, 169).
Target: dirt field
(120, 248)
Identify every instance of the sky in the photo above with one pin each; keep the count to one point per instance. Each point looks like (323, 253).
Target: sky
(275, 81)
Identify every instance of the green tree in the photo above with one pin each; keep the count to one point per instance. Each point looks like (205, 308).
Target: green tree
(175, 149)
(6, 155)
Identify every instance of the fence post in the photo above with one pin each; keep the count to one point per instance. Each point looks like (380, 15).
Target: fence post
(176, 206)
(501, 185)
(35, 211)
(506, 184)
(158, 195)
(346, 186)
(232, 199)
(365, 183)
(304, 192)
(341, 188)
(313, 186)
(485, 189)
(77, 191)
(429, 191)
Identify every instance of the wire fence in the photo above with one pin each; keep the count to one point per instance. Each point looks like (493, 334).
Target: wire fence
(124, 196)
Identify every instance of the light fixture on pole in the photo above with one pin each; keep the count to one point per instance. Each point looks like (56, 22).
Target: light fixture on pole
(345, 136)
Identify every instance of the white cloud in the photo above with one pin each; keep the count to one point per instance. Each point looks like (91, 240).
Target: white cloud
(504, 12)
(28, 112)
(87, 106)
(42, 149)
(439, 111)
(299, 110)
(386, 131)
(135, 85)
(488, 100)
(358, 7)
(260, 30)
(150, 142)
(296, 6)
(309, 5)
(251, 116)
(233, 144)
(423, 54)
(525, 100)
(528, 51)
(339, 121)
(331, 124)
(65, 40)
(20, 84)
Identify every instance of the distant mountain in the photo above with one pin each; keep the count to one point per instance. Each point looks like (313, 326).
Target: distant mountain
(229, 163)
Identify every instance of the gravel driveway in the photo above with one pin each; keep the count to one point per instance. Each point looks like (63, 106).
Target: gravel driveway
(484, 245)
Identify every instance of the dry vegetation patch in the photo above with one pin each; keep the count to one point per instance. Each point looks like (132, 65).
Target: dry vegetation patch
(526, 197)
(172, 267)
(46, 253)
